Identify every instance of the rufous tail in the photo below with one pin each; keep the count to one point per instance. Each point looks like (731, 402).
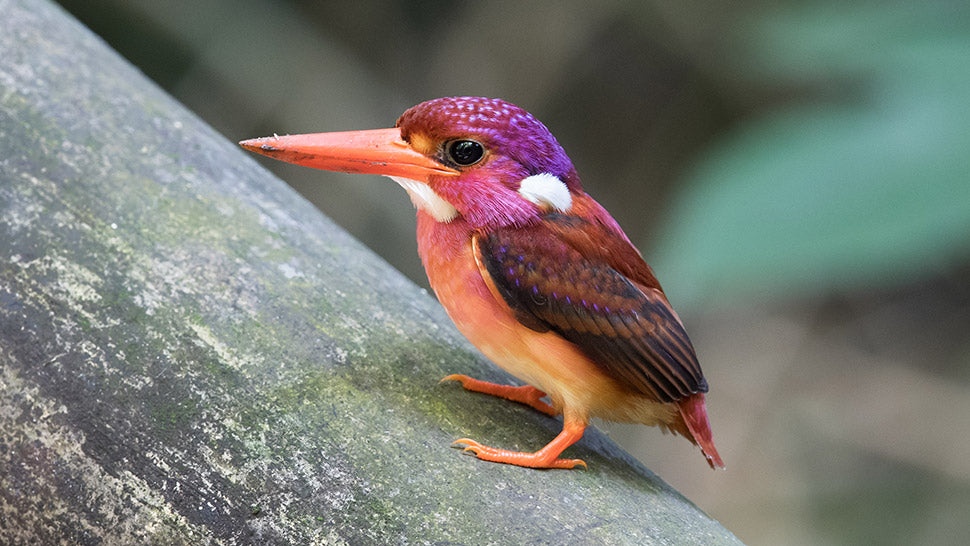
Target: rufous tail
(694, 412)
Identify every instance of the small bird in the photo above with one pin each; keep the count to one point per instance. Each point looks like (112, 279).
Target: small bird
(530, 268)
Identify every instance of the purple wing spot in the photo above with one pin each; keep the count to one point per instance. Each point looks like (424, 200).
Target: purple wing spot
(535, 290)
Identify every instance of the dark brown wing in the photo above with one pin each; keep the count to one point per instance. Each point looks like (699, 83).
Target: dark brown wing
(632, 334)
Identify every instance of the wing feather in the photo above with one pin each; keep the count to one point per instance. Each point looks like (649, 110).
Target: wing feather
(625, 326)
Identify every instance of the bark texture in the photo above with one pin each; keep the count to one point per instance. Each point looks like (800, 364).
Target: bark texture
(191, 354)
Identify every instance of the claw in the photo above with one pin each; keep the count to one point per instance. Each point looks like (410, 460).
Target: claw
(454, 377)
(472, 446)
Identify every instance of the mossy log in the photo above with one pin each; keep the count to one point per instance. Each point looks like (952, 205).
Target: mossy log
(190, 353)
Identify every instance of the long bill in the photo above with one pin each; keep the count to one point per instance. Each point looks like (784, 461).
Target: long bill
(376, 151)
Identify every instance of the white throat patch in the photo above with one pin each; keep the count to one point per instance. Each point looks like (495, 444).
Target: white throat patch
(427, 200)
(546, 190)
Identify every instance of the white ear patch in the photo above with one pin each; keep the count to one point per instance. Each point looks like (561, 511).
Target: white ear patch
(546, 190)
(427, 200)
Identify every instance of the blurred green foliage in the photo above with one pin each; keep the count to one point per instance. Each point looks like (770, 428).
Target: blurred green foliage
(861, 179)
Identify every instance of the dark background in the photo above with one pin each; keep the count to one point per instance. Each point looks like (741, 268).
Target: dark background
(798, 174)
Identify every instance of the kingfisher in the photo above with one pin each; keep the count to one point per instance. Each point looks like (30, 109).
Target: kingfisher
(533, 271)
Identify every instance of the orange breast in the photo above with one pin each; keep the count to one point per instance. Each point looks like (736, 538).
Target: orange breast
(545, 360)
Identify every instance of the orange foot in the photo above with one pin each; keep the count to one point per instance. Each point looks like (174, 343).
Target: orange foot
(517, 458)
(528, 395)
(547, 457)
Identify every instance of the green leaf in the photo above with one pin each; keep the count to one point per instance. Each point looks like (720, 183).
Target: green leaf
(873, 189)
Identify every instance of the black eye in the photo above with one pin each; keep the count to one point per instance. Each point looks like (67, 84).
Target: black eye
(465, 152)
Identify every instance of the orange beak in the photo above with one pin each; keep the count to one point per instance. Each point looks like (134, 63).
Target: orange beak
(377, 151)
